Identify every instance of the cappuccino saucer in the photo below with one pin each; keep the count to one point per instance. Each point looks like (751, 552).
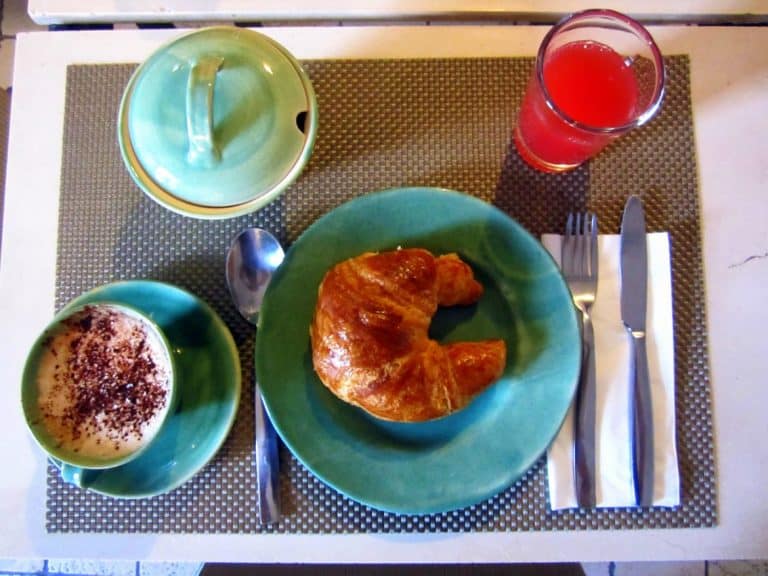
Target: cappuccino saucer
(209, 390)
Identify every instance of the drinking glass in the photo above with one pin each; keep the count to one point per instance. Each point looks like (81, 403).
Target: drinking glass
(598, 75)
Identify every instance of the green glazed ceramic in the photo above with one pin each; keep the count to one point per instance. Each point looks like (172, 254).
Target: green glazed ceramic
(208, 391)
(218, 122)
(471, 455)
(30, 390)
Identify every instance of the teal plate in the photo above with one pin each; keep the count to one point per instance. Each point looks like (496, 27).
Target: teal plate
(209, 393)
(466, 457)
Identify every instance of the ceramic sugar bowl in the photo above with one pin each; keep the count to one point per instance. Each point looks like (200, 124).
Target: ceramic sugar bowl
(217, 123)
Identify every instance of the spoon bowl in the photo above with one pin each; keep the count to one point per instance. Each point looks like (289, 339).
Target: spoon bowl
(253, 258)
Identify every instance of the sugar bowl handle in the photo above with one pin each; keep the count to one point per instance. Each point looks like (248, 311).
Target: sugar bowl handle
(203, 150)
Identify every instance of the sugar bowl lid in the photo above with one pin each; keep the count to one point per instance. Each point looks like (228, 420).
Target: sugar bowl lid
(218, 122)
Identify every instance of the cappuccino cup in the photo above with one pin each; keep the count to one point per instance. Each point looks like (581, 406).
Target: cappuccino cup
(98, 386)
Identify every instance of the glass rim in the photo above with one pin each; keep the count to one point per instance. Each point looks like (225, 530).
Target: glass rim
(637, 28)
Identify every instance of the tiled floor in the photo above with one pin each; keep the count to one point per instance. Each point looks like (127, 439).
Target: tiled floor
(96, 568)
(91, 568)
(15, 20)
(125, 568)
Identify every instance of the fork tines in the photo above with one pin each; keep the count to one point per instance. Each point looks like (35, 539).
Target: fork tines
(580, 244)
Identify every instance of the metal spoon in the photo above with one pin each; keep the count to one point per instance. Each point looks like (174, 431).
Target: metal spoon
(253, 258)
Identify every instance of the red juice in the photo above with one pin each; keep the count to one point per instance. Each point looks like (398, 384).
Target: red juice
(589, 83)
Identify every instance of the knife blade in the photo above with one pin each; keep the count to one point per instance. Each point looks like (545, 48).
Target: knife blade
(634, 299)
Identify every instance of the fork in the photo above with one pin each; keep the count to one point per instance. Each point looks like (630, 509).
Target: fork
(579, 265)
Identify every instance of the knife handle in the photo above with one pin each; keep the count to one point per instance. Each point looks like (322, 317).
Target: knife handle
(267, 463)
(641, 418)
(584, 444)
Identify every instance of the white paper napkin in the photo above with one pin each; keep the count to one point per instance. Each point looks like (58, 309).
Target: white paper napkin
(612, 354)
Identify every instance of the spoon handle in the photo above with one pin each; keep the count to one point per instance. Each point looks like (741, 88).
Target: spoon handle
(267, 463)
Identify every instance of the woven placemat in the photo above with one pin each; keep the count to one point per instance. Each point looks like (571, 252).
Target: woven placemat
(382, 124)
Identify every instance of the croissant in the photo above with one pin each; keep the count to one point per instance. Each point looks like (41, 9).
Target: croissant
(370, 343)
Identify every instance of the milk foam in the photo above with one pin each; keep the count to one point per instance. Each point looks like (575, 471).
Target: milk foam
(104, 383)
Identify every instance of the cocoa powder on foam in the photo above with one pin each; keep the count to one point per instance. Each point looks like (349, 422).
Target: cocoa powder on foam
(106, 383)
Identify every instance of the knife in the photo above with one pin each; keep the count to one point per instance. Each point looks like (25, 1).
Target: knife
(634, 297)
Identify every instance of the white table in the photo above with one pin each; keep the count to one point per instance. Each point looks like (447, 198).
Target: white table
(729, 68)
(67, 11)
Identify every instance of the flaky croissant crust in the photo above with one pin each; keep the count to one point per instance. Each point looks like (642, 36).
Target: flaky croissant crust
(370, 343)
